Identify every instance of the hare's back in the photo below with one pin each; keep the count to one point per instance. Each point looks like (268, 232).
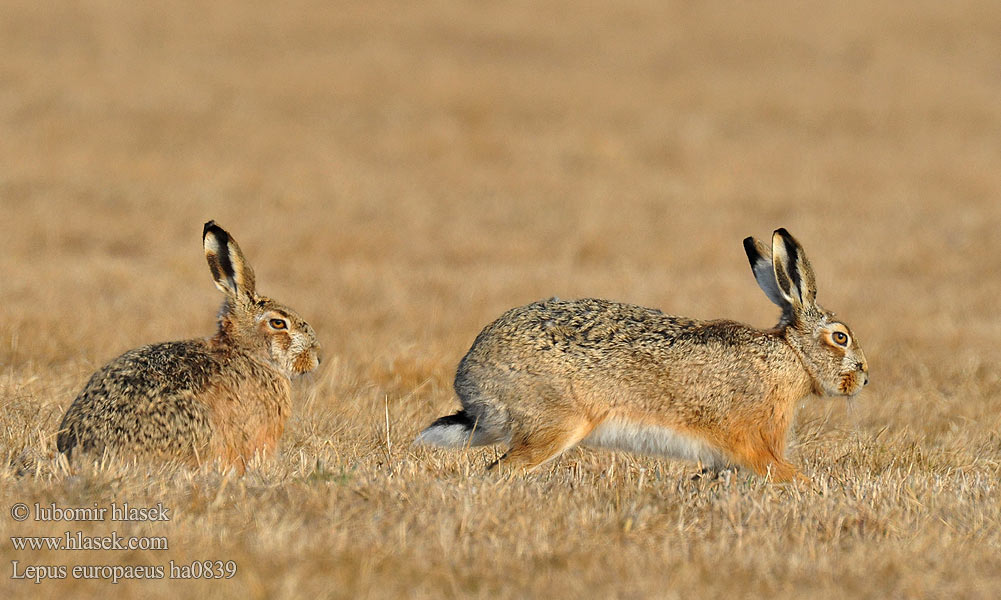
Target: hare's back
(582, 326)
(157, 370)
(621, 344)
(147, 398)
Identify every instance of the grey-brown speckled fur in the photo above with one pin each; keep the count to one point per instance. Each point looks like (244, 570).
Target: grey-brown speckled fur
(162, 413)
(224, 397)
(549, 375)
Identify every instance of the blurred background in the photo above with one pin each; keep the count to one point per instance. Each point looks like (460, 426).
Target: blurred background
(401, 173)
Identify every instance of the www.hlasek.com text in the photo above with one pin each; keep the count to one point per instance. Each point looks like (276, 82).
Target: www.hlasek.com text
(76, 540)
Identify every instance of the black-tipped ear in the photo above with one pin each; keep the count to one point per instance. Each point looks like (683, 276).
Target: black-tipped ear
(760, 258)
(793, 272)
(230, 270)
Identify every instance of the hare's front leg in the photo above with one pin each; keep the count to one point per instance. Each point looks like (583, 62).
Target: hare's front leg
(763, 454)
(785, 472)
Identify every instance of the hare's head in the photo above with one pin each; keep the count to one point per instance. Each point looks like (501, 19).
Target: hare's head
(255, 323)
(826, 345)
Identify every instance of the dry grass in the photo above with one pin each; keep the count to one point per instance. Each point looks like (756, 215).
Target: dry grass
(403, 172)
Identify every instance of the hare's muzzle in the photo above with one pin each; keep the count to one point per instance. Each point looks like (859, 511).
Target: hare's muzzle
(853, 382)
(307, 360)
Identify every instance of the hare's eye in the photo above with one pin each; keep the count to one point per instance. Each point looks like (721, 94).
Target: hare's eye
(840, 338)
(278, 323)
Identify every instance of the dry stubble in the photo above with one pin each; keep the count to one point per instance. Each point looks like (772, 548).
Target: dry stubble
(403, 174)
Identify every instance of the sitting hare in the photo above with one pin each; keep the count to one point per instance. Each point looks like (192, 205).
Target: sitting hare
(547, 376)
(224, 397)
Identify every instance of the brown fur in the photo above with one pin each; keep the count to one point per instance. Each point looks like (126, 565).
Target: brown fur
(550, 375)
(225, 397)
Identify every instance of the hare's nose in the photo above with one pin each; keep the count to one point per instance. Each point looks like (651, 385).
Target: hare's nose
(866, 382)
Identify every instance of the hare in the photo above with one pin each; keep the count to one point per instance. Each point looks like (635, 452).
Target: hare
(547, 376)
(224, 397)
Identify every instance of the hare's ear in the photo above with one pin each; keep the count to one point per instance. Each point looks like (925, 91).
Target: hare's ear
(230, 270)
(793, 272)
(760, 257)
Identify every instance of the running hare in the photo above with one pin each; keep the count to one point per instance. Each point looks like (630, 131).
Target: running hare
(547, 376)
(225, 397)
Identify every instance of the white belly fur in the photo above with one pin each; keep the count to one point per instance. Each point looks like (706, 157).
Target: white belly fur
(653, 440)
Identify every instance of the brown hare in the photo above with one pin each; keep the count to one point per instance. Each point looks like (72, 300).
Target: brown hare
(224, 397)
(547, 376)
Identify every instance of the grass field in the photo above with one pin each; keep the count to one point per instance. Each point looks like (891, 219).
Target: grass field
(401, 173)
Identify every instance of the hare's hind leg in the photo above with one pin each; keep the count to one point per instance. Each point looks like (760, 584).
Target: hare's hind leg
(530, 449)
(721, 472)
